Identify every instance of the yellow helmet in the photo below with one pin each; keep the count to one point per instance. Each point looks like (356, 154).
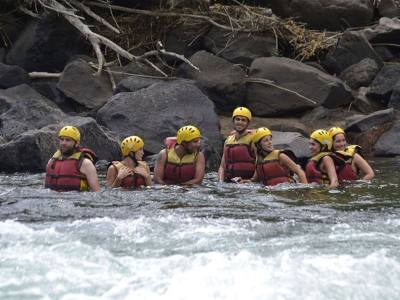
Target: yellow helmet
(260, 133)
(71, 132)
(242, 111)
(335, 130)
(322, 137)
(187, 134)
(131, 144)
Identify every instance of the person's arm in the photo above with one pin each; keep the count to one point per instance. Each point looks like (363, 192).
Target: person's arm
(114, 177)
(292, 166)
(159, 167)
(329, 166)
(221, 169)
(144, 170)
(200, 169)
(362, 164)
(89, 170)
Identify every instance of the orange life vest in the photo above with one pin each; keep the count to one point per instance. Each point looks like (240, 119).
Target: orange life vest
(131, 181)
(63, 173)
(313, 170)
(239, 157)
(179, 170)
(270, 171)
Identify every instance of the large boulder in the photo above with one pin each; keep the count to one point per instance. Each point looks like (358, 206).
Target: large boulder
(326, 14)
(46, 45)
(352, 47)
(387, 31)
(12, 76)
(372, 120)
(135, 83)
(363, 103)
(293, 87)
(80, 84)
(239, 48)
(23, 109)
(293, 141)
(222, 81)
(158, 111)
(360, 74)
(387, 144)
(381, 88)
(389, 8)
(31, 150)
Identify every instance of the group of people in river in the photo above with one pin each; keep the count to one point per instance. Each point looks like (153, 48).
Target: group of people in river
(248, 156)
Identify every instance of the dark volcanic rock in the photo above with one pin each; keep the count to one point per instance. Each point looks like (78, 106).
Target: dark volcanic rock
(23, 109)
(222, 81)
(267, 100)
(158, 111)
(381, 88)
(387, 144)
(360, 74)
(239, 48)
(352, 47)
(326, 14)
(46, 45)
(372, 120)
(12, 76)
(80, 84)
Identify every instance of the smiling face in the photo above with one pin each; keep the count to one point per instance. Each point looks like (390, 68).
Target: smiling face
(67, 145)
(266, 143)
(314, 146)
(139, 154)
(192, 146)
(240, 123)
(339, 142)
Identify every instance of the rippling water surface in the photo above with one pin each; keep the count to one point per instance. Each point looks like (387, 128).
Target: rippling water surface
(217, 241)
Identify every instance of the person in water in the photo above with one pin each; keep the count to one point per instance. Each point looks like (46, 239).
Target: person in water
(273, 166)
(72, 167)
(132, 172)
(321, 166)
(349, 155)
(183, 163)
(238, 159)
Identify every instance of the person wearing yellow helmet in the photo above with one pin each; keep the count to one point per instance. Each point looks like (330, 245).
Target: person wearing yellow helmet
(321, 166)
(273, 166)
(183, 163)
(353, 162)
(132, 172)
(71, 168)
(238, 159)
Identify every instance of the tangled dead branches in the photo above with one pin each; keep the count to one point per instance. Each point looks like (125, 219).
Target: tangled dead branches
(125, 29)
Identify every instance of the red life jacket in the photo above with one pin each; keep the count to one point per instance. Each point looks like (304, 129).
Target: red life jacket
(345, 171)
(179, 170)
(239, 157)
(131, 181)
(271, 172)
(62, 173)
(313, 171)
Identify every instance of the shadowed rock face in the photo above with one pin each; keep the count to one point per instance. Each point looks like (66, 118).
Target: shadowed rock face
(46, 45)
(23, 109)
(220, 79)
(158, 111)
(294, 78)
(32, 150)
(326, 14)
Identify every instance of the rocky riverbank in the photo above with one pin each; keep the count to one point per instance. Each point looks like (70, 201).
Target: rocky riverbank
(49, 76)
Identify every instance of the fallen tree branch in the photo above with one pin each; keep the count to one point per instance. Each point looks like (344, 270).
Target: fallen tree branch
(271, 83)
(166, 53)
(44, 75)
(99, 19)
(167, 14)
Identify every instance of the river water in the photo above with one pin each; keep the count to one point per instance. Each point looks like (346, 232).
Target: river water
(217, 241)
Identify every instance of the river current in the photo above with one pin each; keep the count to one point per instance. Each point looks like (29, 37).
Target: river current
(216, 241)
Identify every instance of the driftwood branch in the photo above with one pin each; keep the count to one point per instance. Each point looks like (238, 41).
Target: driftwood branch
(89, 12)
(271, 83)
(166, 53)
(44, 75)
